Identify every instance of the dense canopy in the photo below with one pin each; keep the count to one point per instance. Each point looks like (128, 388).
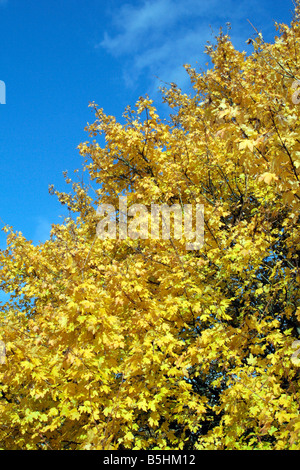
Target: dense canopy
(140, 343)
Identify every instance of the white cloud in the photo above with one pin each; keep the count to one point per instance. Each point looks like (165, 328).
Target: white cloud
(139, 23)
(153, 20)
(166, 61)
(157, 37)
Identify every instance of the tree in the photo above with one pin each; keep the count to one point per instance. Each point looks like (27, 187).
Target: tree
(139, 343)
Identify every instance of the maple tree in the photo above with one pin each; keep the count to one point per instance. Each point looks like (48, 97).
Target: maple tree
(141, 343)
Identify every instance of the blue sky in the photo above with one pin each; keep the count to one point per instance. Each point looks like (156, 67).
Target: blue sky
(56, 56)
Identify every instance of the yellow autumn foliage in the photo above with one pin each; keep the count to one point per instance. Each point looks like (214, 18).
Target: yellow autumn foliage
(139, 343)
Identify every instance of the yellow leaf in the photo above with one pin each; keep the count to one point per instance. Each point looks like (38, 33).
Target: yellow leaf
(268, 178)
